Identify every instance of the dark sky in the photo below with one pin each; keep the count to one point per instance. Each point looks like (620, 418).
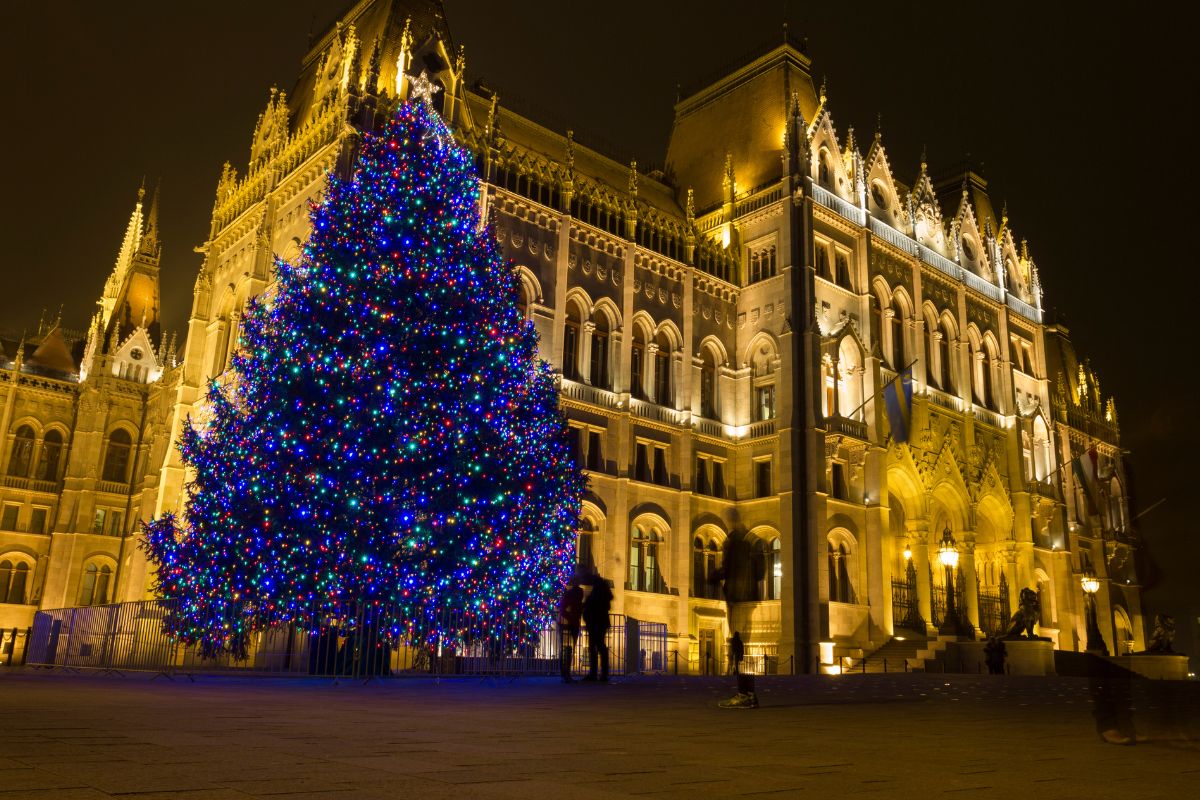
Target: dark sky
(1079, 115)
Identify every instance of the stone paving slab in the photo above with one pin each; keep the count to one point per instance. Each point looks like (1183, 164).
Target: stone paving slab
(72, 736)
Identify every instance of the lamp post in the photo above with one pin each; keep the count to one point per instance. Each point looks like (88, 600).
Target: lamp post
(948, 555)
(1095, 639)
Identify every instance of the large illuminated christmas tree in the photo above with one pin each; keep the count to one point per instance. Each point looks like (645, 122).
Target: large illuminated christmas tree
(389, 436)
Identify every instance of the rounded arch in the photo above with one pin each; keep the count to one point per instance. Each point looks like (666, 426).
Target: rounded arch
(118, 447)
(905, 487)
(850, 377)
(668, 332)
(762, 349)
(20, 454)
(841, 564)
(1047, 601)
(948, 507)
(643, 326)
(648, 542)
(708, 551)
(883, 292)
(96, 578)
(716, 347)
(766, 557)
(605, 307)
(1122, 631)
(529, 289)
(993, 520)
(16, 576)
(580, 302)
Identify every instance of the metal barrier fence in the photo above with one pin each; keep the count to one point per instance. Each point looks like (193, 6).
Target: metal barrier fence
(349, 641)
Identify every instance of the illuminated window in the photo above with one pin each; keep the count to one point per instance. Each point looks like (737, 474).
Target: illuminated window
(22, 452)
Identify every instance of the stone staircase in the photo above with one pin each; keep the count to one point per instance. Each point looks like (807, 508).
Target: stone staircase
(897, 655)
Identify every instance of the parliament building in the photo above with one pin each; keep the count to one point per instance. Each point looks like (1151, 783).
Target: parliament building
(724, 328)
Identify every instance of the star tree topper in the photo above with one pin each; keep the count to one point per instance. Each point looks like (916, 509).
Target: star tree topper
(423, 88)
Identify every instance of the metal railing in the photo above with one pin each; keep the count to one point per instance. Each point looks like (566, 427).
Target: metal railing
(356, 640)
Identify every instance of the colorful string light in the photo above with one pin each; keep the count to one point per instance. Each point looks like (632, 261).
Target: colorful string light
(390, 435)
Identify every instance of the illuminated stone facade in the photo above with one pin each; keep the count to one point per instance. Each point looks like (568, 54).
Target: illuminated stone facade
(724, 329)
(85, 421)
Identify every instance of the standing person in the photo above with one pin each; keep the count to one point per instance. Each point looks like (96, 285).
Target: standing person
(738, 574)
(595, 616)
(570, 609)
(737, 651)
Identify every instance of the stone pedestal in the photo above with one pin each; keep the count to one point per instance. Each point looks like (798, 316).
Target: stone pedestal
(1155, 666)
(1022, 657)
(1029, 657)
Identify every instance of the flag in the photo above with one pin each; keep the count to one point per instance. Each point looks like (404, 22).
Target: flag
(897, 398)
(1086, 467)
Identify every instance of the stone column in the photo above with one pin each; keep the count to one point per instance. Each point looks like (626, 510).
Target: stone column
(971, 588)
(918, 537)
(587, 333)
(649, 367)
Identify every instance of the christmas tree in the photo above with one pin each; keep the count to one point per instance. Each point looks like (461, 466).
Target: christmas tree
(389, 435)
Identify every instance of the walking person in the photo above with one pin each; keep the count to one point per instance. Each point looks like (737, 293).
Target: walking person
(746, 697)
(595, 616)
(570, 609)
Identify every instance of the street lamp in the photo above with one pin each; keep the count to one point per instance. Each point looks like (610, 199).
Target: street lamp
(948, 555)
(907, 552)
(1095, 639)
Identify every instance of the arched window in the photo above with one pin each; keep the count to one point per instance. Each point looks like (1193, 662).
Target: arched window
(708, 384)
(850, 379)
(663, 385)
(599, 359)
(706, 560)
(838, 564)
(768, 569)
(644, 572)
(570, 361)
(899, 357)
(22, 452)
(116, 458)
(14, 578)
(823, 166)
(585, 543)
(762, 364)
(947, 346)
(93, 591)
(1117, 514)
(523, 299)
(1042, 466)
(52, 446)
(932, 335)
(637, 364)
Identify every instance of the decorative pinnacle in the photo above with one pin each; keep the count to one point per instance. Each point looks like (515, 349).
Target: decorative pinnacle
(822, 92)
(878, 126)
(571, 149)
(633, 178)
(924, 159)
(691, 205)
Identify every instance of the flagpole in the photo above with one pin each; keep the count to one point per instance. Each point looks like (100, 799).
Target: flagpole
(880, 391)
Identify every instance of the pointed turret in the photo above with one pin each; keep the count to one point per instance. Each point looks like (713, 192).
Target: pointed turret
(130, 302)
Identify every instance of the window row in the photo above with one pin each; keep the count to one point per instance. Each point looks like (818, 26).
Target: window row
(49, 455)
(39, 517)
(655, 359)
(940, 344)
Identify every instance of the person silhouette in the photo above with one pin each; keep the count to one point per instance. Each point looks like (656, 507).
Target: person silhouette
(595, 616)
(570, 608)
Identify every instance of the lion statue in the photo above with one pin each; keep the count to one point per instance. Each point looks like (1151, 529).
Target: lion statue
(1029, 610)
(1163, 638)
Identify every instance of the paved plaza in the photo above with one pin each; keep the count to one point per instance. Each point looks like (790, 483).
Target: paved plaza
(83, 737)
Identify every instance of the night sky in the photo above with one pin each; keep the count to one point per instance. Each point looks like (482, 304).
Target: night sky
(1081, 124)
